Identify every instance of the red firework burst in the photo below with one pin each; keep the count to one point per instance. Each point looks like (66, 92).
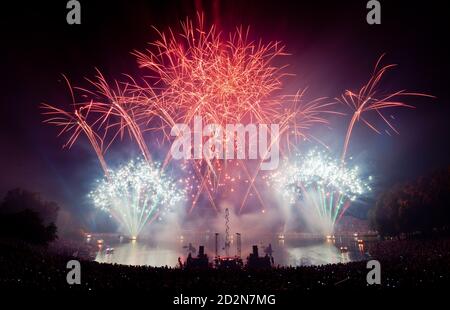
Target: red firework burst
(226, 79)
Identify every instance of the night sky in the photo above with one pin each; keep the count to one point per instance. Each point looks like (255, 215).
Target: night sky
(332, 47)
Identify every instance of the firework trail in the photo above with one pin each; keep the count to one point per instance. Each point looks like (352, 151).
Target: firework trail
(104, 114)
(226, 81)
(296, 120)
(136, 194)
(369, 99)
(75, 123)
(118, 111)
(316, 180)
(300, 116)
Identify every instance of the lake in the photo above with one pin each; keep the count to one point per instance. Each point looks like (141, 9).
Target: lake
(286, 250)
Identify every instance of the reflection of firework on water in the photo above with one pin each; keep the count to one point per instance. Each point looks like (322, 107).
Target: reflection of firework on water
(321, 182)
(136, 194)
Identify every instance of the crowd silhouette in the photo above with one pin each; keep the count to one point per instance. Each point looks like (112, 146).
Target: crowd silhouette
(404, 263)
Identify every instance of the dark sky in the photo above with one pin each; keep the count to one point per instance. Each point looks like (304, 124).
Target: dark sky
(332, 48)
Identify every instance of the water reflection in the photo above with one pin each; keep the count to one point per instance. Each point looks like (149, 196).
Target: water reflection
(286, 252)
(315, 255)
(138, 253)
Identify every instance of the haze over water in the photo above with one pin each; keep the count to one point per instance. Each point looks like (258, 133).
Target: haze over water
(286, 252)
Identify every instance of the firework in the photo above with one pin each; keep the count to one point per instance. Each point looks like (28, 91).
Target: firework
(370, 99)
(104, 114)
(117, 109)
(226, 80)
(136, 194)
(75, 123)
(321, 182)
(197, 72)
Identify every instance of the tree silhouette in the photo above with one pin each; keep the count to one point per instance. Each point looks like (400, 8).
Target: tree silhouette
(419, 206)
(25, 216)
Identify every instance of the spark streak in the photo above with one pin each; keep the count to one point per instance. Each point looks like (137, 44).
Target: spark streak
(136, 194)
(316, 180)
(368, 99)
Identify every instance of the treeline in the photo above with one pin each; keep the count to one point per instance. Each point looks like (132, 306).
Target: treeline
(418, 207)
(25, 216)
